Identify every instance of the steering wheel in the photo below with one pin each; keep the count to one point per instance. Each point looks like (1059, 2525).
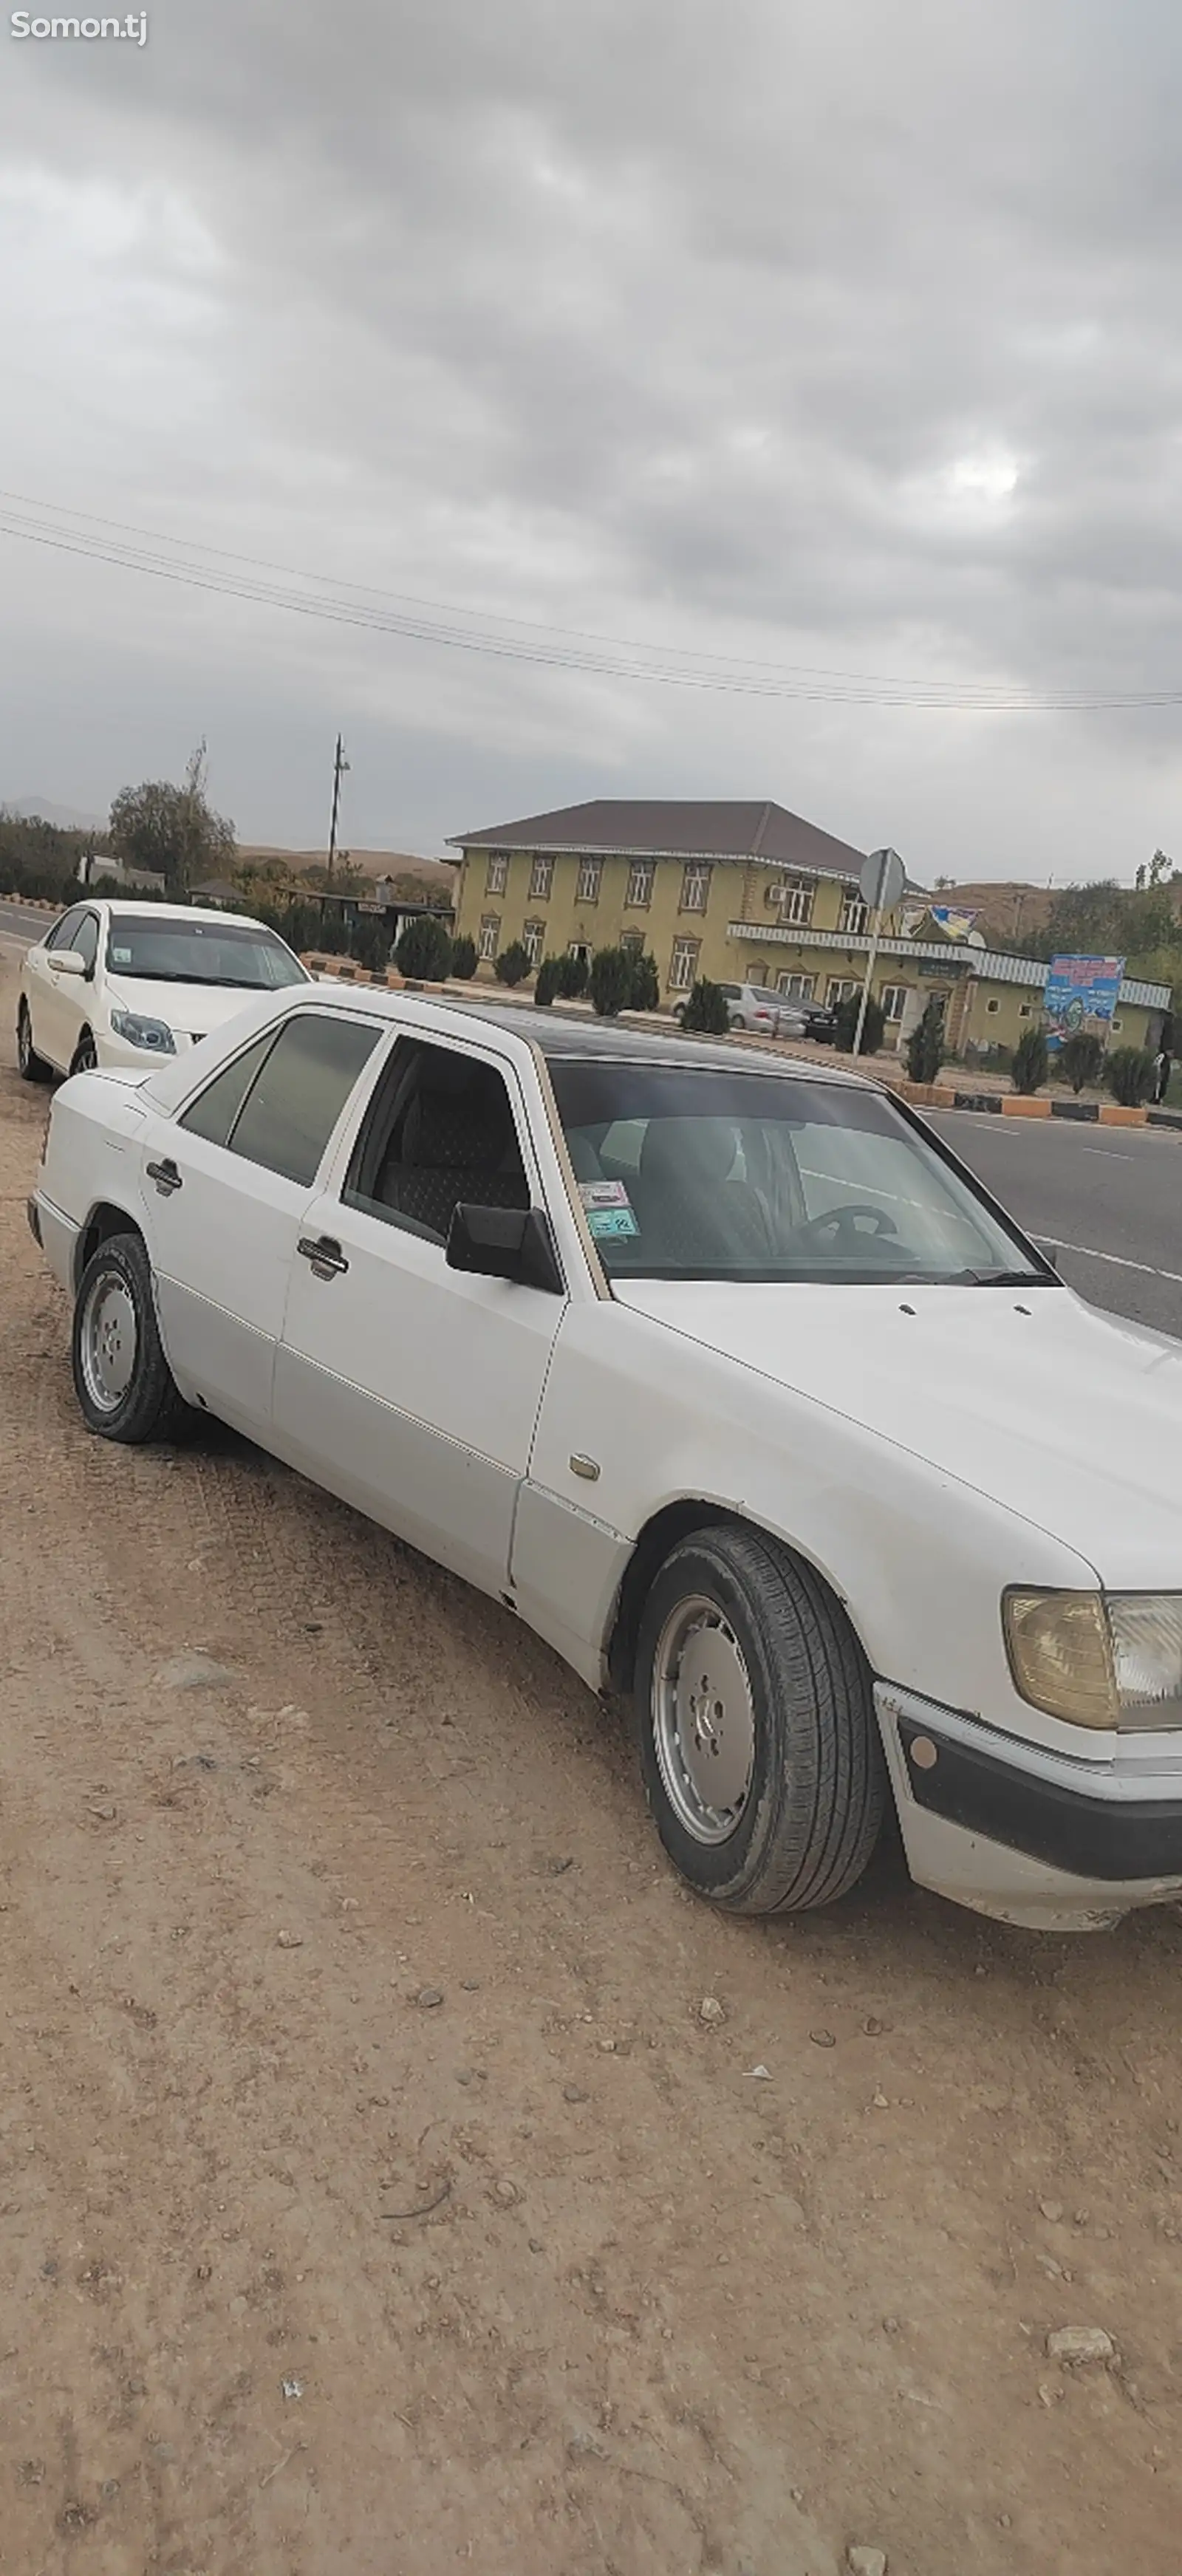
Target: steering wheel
(842, 1223)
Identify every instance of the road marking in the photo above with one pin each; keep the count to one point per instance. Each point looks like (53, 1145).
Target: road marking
(1089, 1253)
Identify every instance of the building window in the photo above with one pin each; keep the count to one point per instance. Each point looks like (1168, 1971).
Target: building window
(641, 876)
(633, 942)
(532, 939)
(1023, 1010)
(695, 887)
(590, 877)
(839, 988)
(893, 998)
(541, 878)
(796, 901)
(489, 940)
(796, 988)
(854, 915)
(579, 948)
(497, 876)
(993, 1006)
(1116, 1028)
(683, 965)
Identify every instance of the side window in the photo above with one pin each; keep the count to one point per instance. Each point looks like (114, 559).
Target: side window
(439, 1133)
(63, 935)
(85, 939)
(297, 1096)
(215, 1109)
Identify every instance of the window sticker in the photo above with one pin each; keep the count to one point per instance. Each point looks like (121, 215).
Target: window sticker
(603, 1194)
(611, 1224)
(120, 956)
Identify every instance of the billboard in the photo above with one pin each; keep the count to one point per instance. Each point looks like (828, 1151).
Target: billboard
(1081, 995)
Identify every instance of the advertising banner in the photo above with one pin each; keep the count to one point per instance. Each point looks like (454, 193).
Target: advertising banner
(1081, 995)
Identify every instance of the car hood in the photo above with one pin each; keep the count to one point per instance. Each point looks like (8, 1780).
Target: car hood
(191, 1009)
(1069, 1417)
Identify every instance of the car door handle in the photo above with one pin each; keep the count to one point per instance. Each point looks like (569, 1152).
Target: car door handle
(325, 1254)
(166, 1177)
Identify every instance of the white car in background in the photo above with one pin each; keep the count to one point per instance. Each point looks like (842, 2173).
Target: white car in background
(721, 1372)
(120, 983)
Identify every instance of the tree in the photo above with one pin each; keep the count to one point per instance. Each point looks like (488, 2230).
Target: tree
(549, 982)
(611, 981)
(873, 1027)
(1080, 1059)
(423, 954)
(1157, 868)
(707, 1011)
(573, 974)
(1129, 1076)
(463, 959)
(512, 965)
(173, 831)
(1029, 1070)
(646, 988)
(925, 1046)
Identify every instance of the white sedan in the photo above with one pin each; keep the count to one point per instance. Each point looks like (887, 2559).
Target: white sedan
(119, 983)
(721, 1373)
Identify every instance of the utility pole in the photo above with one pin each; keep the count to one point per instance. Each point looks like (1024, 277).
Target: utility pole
(339, 766)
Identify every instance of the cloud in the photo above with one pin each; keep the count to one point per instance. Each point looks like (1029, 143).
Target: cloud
(838, 335)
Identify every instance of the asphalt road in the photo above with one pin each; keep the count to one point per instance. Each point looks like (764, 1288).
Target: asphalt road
(24, 922)
(1109, 1198)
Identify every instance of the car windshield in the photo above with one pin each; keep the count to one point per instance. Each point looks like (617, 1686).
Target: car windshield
(199, 952)
(688, 1173)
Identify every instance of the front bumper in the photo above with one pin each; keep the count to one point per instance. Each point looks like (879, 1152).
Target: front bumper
(1025, 1834)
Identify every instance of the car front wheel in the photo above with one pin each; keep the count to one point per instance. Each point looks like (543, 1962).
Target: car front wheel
(32, 1067)
(85, 1055)
(121, 1377)
(758, 1741)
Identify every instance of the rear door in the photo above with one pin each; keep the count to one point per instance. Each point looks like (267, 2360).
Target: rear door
(225, 1187)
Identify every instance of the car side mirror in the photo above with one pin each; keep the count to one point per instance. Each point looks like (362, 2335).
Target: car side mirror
(505, 1243)
(68, 961)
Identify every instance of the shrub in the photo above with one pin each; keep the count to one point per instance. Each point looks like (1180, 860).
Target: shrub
(369, 943)
(873, 1027)
(463, 959)
(573, 974)
(1080, 1060)
(646, 988)
(707, 1010)
(611, 981)
(1129, 1074)
(512, 965)
(549, 982)
(1030, 1062)
(423, 953)
(925, 1046)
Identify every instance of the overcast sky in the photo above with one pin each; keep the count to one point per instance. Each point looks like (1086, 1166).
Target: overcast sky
(830, 333)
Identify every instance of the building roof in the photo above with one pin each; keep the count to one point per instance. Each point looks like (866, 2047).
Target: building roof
(658, 827)
(993, 965)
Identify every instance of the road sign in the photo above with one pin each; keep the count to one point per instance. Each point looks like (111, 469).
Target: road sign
(882, 880)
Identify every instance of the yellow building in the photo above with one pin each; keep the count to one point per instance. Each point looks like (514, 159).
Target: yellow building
(742, 892)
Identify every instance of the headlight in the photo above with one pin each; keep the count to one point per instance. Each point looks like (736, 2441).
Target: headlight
(155, 1035)
(1098, 1659)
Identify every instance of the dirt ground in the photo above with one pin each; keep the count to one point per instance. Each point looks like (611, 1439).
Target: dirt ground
(374, 2200)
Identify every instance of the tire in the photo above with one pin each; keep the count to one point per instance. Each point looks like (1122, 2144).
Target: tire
(121, 1378)
(789, 1721)
(85, 1055)
(31, 1066)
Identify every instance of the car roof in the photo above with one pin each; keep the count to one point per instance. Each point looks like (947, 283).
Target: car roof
(575, 1038)
(149, 910)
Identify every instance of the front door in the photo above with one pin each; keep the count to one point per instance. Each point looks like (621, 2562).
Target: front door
(225, 1188)
(410, 1389)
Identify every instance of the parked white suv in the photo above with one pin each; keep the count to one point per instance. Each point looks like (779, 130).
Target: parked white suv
(121, 983)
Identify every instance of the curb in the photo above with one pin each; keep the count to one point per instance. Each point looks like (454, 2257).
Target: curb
(1018, 1104)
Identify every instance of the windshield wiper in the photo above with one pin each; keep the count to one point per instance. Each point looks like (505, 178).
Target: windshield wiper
(1003, 1279)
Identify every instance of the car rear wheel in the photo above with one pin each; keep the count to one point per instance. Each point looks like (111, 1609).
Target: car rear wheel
(32, 1067)
(85, 1055)
(758, 1741)
(121, 1378)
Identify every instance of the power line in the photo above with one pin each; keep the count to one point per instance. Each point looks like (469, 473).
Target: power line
(215, 570)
